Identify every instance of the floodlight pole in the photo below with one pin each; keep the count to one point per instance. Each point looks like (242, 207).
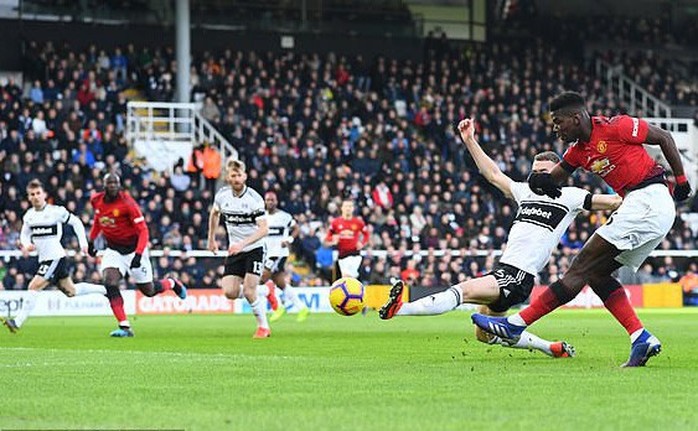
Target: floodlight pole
(183, 42)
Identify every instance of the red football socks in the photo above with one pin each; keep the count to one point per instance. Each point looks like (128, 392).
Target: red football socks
(542, 305)
(618, 304)
(117, 307)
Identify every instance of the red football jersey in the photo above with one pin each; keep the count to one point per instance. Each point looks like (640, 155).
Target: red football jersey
(120, 221)
(349, 231)
(615, 152)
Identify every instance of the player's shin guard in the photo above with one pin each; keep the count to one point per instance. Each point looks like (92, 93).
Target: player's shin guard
(617, 303)
(553, 296)
(116, 302)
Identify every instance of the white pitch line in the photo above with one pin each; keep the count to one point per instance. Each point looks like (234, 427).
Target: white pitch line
(178, 355)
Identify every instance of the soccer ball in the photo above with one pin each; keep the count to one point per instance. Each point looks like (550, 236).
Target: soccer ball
(347, 296)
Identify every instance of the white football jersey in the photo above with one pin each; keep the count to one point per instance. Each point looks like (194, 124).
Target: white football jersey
(280, 225)
(539, 224)
(240, 214)
(44, 229)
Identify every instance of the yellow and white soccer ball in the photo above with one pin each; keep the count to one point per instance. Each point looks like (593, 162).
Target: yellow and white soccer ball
(347, 296)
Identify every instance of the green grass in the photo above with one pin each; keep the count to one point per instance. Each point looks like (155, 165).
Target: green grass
(424, 373)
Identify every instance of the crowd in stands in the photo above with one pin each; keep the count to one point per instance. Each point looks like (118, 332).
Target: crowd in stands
(658, 53)
(312, 128)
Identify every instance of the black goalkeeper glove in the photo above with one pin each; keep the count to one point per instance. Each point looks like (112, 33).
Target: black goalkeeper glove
(681, 191)
(136, 262)
(91, 250)
(543, 184)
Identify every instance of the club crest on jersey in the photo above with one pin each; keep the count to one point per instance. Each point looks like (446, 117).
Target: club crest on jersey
(601, 147)
(602, 167)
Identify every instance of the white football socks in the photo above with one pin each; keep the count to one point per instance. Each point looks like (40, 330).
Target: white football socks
(262, 290)
(516, 319)
(527, 341)
(27, 307)
(89, 288)
(258, 308)
(290, 299)
(438, 303)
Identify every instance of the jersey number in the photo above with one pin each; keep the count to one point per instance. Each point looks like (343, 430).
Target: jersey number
(257, 267)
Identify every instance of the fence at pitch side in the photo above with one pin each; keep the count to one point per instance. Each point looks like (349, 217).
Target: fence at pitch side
(211, 301)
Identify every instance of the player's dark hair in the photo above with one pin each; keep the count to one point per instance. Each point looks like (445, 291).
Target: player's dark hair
(114, 174)
(547, 156)
(567, 101)
(34, 184)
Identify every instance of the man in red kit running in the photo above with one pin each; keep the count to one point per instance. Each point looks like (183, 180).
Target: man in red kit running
(120, 221)
(611, 148)
(345, 232)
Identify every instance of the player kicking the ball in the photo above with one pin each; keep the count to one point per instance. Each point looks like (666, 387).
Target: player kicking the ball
(611, 148)
(539, 224)
(119, 220)
(42, 229)
(283, 230)
(243, 213)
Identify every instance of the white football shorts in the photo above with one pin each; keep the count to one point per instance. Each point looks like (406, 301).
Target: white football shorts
(113, 259)
(349, 265)
(640, 224)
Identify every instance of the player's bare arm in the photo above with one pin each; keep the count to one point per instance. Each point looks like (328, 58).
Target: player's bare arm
(295, 231)
(261, 232)
(605, 202)
(213, 220)
(559, 174)
(487, 167)
(659, 136)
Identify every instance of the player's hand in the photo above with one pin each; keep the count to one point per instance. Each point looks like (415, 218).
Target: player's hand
(235, 248)
(213, 245)
(466, 128)
(543, 184)
(136, 262)
(91, 250)
(83, 251)
(29, 248)
(682, 191)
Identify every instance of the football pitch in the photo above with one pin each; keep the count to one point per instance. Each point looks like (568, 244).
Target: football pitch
(199, 372)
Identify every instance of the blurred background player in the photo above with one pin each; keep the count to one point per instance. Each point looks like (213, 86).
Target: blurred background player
(283, 230)
(245, 221)
(120, 221)
(42, 229)
(539, 224)
(611, 148)
(350, 234)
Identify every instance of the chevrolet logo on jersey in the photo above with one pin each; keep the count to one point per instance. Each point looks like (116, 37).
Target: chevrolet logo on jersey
(602, 167)
(116, 212)
(107, 221)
